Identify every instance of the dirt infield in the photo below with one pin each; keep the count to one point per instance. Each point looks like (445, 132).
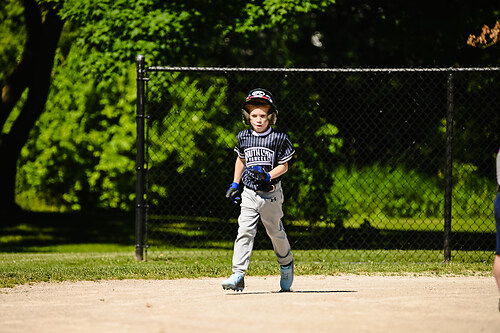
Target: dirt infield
(346, 303)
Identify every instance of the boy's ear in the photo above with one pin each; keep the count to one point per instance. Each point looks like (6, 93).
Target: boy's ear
(273, 117)
(246, 116)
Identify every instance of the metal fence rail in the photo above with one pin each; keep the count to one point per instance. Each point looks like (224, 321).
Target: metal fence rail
(386, 159)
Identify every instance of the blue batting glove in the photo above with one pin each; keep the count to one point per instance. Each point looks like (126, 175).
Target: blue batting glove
(233, 193)
(259, 172)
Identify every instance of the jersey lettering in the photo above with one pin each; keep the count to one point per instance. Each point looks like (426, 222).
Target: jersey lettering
(259, 156)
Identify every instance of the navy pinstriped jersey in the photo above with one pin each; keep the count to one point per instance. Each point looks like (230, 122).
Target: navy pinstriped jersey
(268, 150)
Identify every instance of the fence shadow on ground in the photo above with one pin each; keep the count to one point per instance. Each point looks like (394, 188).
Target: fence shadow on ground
(212, 234)
(24, 230)
(29, 229)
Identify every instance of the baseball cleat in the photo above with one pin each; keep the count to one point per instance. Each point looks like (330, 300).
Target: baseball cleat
(235, 282)
(286, 277)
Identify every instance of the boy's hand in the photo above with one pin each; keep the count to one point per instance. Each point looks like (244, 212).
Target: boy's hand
(233, 193)
(259, 171)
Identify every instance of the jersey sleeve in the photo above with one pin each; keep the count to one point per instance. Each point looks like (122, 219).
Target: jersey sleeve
(286, 151)
(498, 167)
(240, 151)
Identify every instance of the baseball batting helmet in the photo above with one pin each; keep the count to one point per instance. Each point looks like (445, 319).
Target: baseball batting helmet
(264, 95)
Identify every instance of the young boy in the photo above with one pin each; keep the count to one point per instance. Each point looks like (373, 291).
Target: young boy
(263, 156)
(496, 208)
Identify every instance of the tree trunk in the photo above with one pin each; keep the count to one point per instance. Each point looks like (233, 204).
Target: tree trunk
(34, 73)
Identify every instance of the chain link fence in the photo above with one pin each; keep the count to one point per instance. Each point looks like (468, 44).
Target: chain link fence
(398, 160)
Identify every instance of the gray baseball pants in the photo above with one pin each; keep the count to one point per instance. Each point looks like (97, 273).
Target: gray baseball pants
(268, 207)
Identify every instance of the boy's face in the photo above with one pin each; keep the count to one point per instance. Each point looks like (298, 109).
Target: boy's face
(258, 117)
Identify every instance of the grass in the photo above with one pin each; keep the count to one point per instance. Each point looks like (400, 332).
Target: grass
(426, 224)
(54, 248)
(94, 262)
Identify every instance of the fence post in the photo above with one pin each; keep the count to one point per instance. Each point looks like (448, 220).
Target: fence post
(449, 168)
(139, 162)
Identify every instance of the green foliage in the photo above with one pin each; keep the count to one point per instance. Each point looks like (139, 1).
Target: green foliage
(81, 150)
(472, 195)
(382, 192)
(186, 112)
(311, 172)
(113, 32)
(189, 138)
(80, 154)
(270, 13)
(12, 36)
(183, 32)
